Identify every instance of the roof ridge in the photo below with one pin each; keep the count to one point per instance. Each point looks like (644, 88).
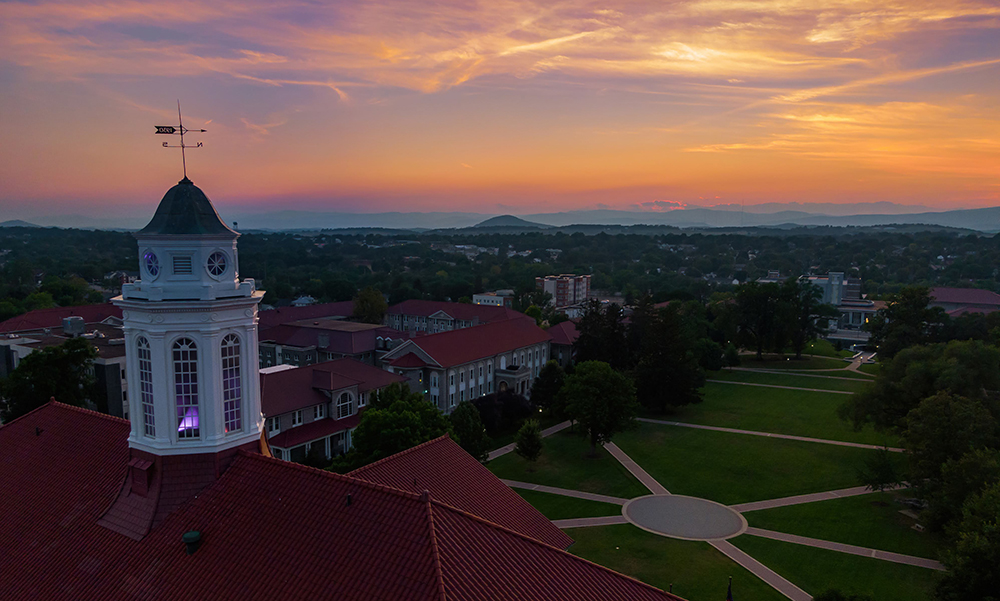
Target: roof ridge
(435, 551)
(334, 475)
(535, 541)
(399, 454)
(55, 403)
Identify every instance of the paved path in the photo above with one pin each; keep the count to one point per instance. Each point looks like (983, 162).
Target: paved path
(579, 494)
(838, 443)
(761, 571)
(546, 432)
(648, 481)
(785, 372)
(850, 549)
(778, 386)
(799, 499)
(586, 522)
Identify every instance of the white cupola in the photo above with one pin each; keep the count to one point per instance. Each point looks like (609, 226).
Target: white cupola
(191, 334)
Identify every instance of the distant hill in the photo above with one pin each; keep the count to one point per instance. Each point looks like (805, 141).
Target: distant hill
(509, 221)
(17, 223)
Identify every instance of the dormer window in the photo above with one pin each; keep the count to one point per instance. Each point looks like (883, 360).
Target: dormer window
(182, 265)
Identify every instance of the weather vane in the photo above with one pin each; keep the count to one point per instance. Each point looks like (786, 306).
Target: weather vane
(180, 130)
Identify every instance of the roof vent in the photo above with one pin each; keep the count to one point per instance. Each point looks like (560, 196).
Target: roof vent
(192, 540)
(348, 499)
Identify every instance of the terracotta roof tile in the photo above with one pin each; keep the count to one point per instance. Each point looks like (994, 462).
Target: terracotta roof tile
(292, 389)
(965, 296)
(461, 311)
(564, 333)
(456, 347)
(274, 317)
(52, 318)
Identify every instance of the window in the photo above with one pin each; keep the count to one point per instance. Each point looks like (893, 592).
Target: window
(434, 380)
(472, 375)
(489, 368)
(362, 400)
(461, 377)
(182, 265)
(277, 453)
(297, 418)
(451, 399)
(216, 264)
(319, 412)
(146, 386)
(274, 426)
(451, 379)
(480, 371)
(232, 384)
(489, 386)
(185, 357)
(461, 396)
(344, 406)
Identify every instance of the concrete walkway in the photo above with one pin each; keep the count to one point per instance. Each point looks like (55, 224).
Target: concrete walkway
(799, 499)
(785, 372)
(850, 549)
(578, 494)
(761, 571)
(778, 386)
(546, 432)
(587, 522)
(838, 443)
(648, 481)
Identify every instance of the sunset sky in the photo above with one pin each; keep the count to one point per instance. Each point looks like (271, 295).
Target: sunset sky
(499, 106)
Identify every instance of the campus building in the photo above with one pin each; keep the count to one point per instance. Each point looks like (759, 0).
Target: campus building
(499, 298)
(566, 289)
(186, 501)
(960, 301)
(424, 316)
(460, 365)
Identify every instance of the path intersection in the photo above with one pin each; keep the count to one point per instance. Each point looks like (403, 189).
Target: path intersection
(691, 518)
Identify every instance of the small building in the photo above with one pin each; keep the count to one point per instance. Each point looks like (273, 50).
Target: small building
(451, 367)
(423, 316)
(564, 336)
(317, 405)
(499, 298)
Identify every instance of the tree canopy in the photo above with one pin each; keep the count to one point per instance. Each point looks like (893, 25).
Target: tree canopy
(396, 420)
(905, 321)
(61, 372)
(370, 305)
(470, 431)
(601, 400)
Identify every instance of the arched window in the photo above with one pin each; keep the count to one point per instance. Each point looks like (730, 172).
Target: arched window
(503, 362)
(344, 406)
(185, 356)
(232, 384)
(146, 386)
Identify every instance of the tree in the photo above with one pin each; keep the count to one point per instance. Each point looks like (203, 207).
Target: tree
(602, 335)
(534, 312)
(879, 472)
(370, 305)
(757, 316)
(529, 441)
(468, 428)
(807, 317)
(905, 321)
(972, 563)
(960, 479)
(668, 373)
(731, 356)
(545, 390)
(964, 368)
(601, 400)
(397, 420)
(61, 372)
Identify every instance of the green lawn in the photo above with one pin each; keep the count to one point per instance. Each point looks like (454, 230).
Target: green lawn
(871, 368)
(506, 436)
(795, 412)
(558, 507)
(816, 570)
(564, 463)
(737, 468)
(792, 379)
(860, 521)
(826, 349)
(697, 571)
(774, 362)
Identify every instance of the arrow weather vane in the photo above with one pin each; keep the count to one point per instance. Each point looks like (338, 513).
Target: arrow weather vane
(179, 129)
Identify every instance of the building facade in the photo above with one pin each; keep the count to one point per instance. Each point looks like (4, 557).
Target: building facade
(431, 317)
(566, 289)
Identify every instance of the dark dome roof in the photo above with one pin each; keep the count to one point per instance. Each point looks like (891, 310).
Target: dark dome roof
(185, 210)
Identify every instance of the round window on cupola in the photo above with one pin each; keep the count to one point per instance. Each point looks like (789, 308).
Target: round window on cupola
(217, 264)
(151, 263)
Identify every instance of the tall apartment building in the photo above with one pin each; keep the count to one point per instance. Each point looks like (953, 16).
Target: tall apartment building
(566, 289)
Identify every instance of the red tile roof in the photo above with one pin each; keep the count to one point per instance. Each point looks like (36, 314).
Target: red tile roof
(457, 479)
(281, 315)
(291, 389)
(309, 432)
(461, 311)
(965, 296)
(564, 333)
(347, 337)
(456, 347)
(52, 318)
(408, 360)
(268, 528)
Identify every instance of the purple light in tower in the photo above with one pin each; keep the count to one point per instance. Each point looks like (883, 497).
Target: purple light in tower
(188, 419)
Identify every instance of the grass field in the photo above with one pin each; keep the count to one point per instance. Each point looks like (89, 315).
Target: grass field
(871, 368)
(697, 571)
(735, 468)
(795, 412)
(564, 463)
(558, 507)
(826, 349)
(822, 381)
(816, 570)
(854, 520)
(774, 362)
(506, 436)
